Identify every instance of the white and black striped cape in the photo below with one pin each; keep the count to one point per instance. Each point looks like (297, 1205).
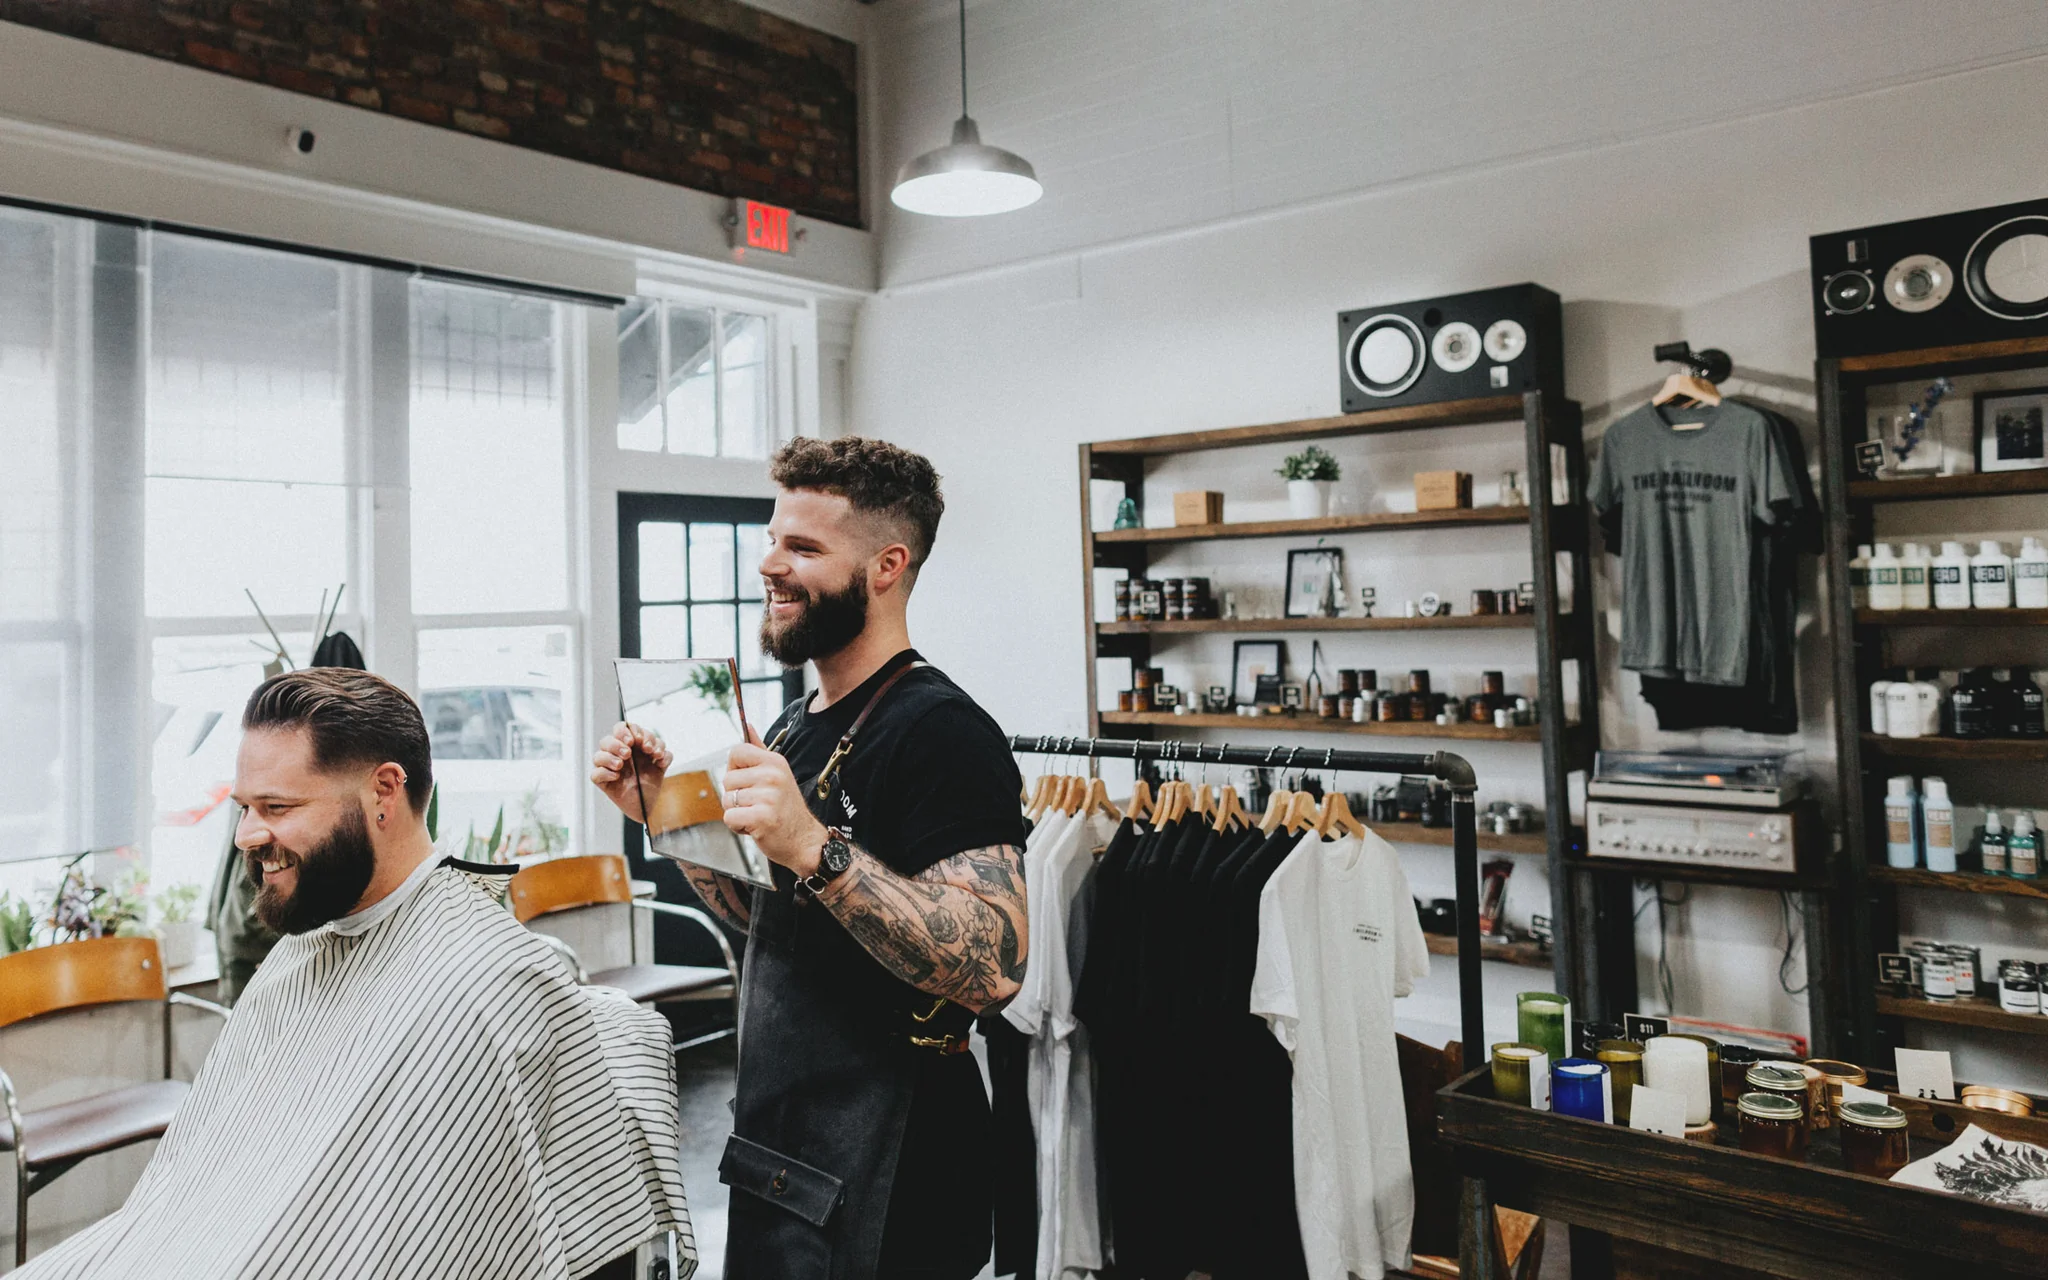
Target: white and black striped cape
(432, 1097)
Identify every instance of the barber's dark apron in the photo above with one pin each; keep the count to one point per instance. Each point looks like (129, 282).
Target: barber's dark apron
(826, 1074)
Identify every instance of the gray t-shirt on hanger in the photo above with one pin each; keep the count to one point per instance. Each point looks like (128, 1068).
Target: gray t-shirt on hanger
(1689, 499)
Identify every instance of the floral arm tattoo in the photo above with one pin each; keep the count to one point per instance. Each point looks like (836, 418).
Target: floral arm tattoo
(956, 929)
(723, 896)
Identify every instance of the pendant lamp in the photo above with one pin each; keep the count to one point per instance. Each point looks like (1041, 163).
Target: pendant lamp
(965, 178)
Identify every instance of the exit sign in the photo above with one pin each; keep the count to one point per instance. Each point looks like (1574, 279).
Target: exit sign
(760, 226)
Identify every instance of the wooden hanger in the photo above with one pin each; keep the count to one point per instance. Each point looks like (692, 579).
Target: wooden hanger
(1141, 800)
(1228, 810)
(1276, 811)
(1041, 795)
(1687, 387)
(1097, 800)
(1205, 801)
(1337, 816)
(1301, 812)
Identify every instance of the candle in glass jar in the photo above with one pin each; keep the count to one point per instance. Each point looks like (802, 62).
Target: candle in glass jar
(1521, 1073)
(1579, 1087)
(1680, 1065)
(1545, 1018)
(1624, 1059)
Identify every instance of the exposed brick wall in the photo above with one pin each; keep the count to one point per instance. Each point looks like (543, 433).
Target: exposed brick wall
(707, 94)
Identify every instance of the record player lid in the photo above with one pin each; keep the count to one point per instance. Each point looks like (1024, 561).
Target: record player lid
(1713, 770)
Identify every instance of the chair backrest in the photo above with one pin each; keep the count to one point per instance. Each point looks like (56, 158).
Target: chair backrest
(561, 883)
(73, 974)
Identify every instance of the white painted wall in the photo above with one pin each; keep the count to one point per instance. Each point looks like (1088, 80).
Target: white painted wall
(1697, 232)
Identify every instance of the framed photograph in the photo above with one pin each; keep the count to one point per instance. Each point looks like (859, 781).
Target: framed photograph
(2010, 429)
(1315, 579)
(1251, 659)
(1290, 695)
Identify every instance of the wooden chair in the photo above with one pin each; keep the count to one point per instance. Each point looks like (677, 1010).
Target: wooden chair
(560, 884)
(49, 1141)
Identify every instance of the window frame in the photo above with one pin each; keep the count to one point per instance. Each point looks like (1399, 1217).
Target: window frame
(782, 354)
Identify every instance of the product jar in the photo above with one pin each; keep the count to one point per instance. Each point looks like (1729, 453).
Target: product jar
(1982, 1097)
(1518, 1067)
(1544, 1018)
(1772, 1124)
(1736, 1060)
(1873, 1138)
(1786, 1079)
(1624, 1062)
(1713, 1071)
(2018, 993)
(1580, 1087)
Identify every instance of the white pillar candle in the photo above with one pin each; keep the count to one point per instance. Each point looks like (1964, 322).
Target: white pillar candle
(1680, 1065)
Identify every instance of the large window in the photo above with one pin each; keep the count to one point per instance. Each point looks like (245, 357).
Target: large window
(694, 380)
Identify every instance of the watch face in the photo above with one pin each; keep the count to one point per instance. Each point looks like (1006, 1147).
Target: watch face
(836, 856)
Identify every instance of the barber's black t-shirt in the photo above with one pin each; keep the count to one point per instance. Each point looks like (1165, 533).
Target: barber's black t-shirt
(930, 775)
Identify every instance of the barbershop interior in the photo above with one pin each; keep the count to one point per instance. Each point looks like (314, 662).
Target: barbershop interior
(1367, 431)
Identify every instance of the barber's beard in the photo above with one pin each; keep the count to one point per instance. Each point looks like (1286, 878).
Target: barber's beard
(332, 877)
(825, 622)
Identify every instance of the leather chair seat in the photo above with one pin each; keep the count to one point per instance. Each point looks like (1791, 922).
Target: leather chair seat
(87, 1126)
(646, 983)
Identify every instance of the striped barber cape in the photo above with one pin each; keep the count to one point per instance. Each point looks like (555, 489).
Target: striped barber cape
(431, 1096)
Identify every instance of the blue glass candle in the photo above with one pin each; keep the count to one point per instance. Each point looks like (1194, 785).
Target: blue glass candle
(1578, 1087)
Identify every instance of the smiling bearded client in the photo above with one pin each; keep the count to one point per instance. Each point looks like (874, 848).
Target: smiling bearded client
(412, 1083)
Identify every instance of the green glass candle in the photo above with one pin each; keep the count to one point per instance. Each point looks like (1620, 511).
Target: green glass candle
(1521, 1073)
(1544, 1018)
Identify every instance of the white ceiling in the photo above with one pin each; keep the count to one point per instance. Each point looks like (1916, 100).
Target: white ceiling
(1146, 116)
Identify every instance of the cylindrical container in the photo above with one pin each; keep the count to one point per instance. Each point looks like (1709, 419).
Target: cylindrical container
(1418, 682)
(1368, 680)
(1938, 979)
(1772, 1124)
(1586, 1036)
(1736, 1060)
(1983, 1097)
(1123, 599)
(1326, 706)
(1363, 708)
(1707, 1135)
(1484, 603)
(1492, 683)
(1873, 1138)
(1968, 961)
(1126, 700)
(1347, 706)
(1713, 1071)
(1142, 677)
(1834, 1075)
(1347, 682)
(1545, 1018)
(1518, 1068)
(1503, 718)
(1141, 699)
(2018, 993)
(1787, 1079)
(1680, 1065)
(1169, 599)
(1624, 1062)
(1579, 1087)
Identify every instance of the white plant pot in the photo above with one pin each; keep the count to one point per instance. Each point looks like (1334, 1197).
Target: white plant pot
(1309, 499)
(179, 941)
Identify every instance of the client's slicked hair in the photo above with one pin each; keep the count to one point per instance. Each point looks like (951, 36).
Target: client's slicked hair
(355, 719)
(878, 478)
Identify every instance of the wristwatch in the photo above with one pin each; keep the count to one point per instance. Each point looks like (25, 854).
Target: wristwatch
(834, 858)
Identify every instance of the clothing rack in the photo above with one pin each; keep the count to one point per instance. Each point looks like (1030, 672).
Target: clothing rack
(1451, 768)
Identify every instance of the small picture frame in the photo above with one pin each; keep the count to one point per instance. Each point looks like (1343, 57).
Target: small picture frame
(1216, 700)
(1315, 578)
(1250, 660)
(2011, 429)
(1290, 695)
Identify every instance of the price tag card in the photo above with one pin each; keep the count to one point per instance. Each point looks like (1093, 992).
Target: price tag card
(1657, 1111)
(1870, 456)
(1926, 1073)
(1641, 1028)
(1857, 1093)
(1895, 969)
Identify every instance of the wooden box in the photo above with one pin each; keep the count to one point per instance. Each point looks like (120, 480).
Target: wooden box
(1198, 506)
(1442, 490)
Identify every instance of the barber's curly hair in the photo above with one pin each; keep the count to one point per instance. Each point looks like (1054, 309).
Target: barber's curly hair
(877, 477)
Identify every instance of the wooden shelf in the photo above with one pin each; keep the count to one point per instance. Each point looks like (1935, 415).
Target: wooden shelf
(1925, 357)
(1447, 413)
(1457, 622)
(1952, 617)
(1957, 748)
(1526, 954)
(1958, 881)
(1380, 522)
(1532, 842)
(1963, 1013)
(1315, 724)
(1934, 488)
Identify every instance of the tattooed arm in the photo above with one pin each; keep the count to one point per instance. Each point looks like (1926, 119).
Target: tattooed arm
(723, 896)
(956, 929)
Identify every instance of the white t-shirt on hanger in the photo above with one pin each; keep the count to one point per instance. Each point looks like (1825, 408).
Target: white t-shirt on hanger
(1338, 941)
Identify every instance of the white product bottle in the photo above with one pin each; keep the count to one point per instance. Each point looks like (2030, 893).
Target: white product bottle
(1879, 716)
(1901, 829)
(1859, 578)
(1885, 591)
(1927, 700)
(1902, 710)
(2030, 575)
(1937, 825)
(1951, 577)
(1914, 566)
(1990, 577)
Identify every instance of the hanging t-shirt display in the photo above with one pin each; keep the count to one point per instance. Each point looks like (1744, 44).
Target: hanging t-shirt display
(1688, 491)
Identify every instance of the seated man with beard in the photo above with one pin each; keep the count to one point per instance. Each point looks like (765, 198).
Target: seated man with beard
(412, 1084)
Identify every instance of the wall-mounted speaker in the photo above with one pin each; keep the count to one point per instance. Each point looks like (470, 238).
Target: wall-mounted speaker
(1459, 347)
(1932, 282)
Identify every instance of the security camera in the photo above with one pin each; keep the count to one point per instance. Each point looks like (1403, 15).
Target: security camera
(300, 140)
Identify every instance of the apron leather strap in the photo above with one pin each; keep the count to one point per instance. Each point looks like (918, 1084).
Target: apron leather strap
(822, 784)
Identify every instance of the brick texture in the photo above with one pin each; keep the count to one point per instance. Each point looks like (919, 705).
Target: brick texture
(707, 94)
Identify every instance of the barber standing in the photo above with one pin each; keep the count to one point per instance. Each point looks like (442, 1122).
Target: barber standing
(888, 802)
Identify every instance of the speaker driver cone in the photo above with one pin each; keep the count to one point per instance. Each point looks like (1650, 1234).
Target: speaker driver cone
(1455, 347)
(1505, 339)
(2006, 271)
(1847, 292)
(1918, 282)
(1386, 355)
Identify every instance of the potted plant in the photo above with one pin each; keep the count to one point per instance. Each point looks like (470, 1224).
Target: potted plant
(177, 931)
(1309, 476)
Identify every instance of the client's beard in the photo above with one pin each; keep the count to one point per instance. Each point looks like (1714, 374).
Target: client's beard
(331, 880)
(827, 623)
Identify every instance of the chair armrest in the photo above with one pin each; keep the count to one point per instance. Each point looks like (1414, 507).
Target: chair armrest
(732, 967)
(12, 1102)
(567, 953)
(194, 1002)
